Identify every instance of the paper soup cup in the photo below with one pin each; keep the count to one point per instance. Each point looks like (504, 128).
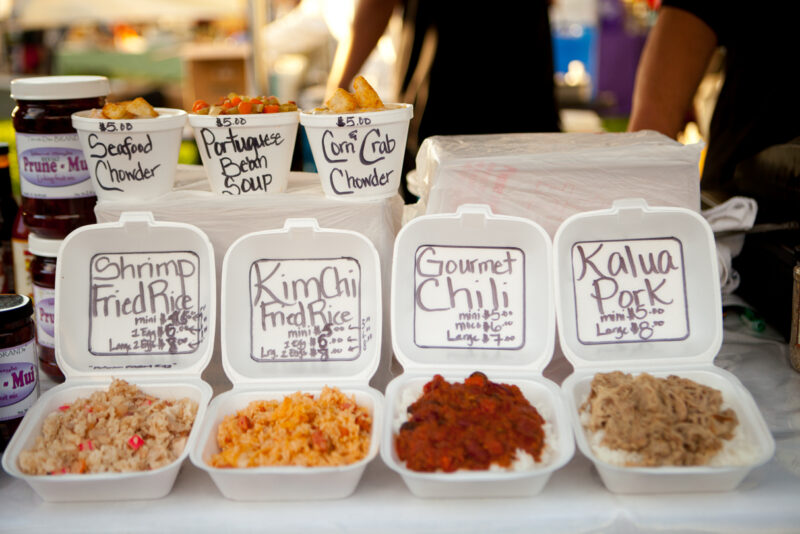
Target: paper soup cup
(131, 159)
(359, 155)
(246, 154)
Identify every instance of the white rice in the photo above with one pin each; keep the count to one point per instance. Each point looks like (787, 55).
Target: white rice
(738, 451)
(523, 460)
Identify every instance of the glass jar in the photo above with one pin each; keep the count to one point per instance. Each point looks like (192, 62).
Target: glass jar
(8, 213)
(19, 378)
(794, 341)
(43, 274)
(22, 258)
(57, 191)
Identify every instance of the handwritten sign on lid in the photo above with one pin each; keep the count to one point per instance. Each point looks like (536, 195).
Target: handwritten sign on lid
(469, 297)
(307, 310)
(630, 291)
(145, 303)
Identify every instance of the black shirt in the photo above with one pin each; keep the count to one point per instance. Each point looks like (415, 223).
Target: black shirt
(758, 105)
(489, 68)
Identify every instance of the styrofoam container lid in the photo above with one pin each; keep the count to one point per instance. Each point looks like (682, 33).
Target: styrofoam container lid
(637, 285)
(135, 298)
(301, 305)
(472, 290)
(59, 87)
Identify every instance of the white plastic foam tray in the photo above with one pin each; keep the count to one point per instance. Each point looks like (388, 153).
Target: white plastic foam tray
(283, 483)
(424, 347)
(541, 393)
(678, 479)
(682, 335)
(293, 255)
(88, 363)
(102, 486)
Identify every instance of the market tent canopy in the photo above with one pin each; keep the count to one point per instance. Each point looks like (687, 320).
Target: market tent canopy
(53, 13)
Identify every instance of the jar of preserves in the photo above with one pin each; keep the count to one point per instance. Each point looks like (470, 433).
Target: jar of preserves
(43, 275)
(21, 257)
(794, 341)
(8, 213)
(57, 192)
(19, 378)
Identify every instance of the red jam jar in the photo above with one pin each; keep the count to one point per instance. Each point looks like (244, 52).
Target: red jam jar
(43, 274)
(19, 384)
(22, 258)
(57, 191)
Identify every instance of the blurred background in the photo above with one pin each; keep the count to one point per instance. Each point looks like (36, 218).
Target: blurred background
(175, 51)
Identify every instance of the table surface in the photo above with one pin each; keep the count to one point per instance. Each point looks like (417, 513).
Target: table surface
(574, 500)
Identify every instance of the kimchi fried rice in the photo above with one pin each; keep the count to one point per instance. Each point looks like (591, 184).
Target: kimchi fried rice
(298, 430)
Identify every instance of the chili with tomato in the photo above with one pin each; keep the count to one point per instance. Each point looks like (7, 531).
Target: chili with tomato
(469, 426)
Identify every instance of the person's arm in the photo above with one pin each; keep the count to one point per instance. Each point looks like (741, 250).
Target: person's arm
(672, 65)
(369, 22)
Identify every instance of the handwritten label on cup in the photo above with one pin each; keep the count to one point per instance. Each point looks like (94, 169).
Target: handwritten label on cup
(469, 297)
(119, 161)
(115, 126)
(145, 303)
(630, 291)
(359, 158)
(306, 310)
(241, 158)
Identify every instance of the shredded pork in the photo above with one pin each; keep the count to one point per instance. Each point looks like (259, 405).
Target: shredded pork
(663, 421)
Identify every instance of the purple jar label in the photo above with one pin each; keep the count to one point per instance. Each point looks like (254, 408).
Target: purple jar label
(53, 167)
(46, 315)
(45, 299)
(19, 380)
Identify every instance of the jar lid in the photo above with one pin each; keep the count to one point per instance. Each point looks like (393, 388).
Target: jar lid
(41, 246)
(3, 149)
(15, 307)
(59, 87)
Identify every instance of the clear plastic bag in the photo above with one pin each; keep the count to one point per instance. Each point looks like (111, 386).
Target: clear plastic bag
(548, 177)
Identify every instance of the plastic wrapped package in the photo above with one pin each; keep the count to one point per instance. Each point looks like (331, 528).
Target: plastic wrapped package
(548, 177)
(226, 218)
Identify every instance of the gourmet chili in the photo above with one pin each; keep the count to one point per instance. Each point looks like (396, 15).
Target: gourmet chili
(469, 426)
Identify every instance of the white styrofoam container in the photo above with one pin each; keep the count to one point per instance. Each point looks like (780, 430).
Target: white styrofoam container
(95, 268)
(517, 255)
(263, 169)
(359, 156)
(664, 257)
(131, 159)
(269, 263)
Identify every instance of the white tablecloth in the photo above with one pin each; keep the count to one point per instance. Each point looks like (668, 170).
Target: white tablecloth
(574, 500)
